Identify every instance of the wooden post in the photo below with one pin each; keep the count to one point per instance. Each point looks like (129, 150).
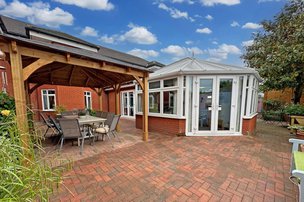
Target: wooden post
(117, 103)
(145, 98)
(100, 98)
(19, 93)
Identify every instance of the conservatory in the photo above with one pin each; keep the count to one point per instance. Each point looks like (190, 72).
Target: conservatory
(196, 97)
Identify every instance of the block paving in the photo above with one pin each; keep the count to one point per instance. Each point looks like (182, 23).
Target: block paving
(172, 168)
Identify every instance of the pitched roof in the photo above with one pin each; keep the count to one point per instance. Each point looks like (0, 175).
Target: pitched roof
(20, 31)
(195, 66)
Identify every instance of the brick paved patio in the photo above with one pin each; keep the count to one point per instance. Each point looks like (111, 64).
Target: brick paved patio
(187, 169)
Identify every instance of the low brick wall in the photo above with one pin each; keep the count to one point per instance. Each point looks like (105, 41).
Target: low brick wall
(249, 125)
(163, 125)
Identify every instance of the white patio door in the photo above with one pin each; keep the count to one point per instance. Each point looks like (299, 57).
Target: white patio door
(214, 106)
(127, 104)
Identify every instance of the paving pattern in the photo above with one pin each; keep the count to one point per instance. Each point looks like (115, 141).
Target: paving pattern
(169, 168)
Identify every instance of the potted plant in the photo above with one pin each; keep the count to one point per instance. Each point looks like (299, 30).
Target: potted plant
(82, 114)
(59, 109)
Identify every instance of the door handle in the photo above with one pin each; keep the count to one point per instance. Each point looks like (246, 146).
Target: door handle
(219, 107)
(210, 108)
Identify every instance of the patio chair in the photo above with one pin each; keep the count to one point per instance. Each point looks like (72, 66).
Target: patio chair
(109, 130)
(71, 131)
(48, 124)
(101, 114)
(297, 166)
(109, 120)
(57, 127)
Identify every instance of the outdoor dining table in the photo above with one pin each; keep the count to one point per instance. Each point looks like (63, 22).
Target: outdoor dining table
(89, 121)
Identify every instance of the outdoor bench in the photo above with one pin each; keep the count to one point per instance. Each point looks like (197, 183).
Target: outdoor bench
(297, 165)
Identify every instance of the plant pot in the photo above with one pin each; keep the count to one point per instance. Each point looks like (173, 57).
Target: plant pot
(82, 116)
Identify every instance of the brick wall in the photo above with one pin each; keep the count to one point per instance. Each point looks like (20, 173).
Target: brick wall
(5, 67)
(163, 125)
(282, 95)
(249, 126)
(67, 96)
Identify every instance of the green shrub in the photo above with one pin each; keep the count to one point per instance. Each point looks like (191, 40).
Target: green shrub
(24, 174)
(273, 115)
(6, 103)
(273, 105)
(294, 109)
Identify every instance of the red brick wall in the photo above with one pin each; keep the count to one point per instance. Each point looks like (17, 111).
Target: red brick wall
(282, 95)
(163, 125)
(67, 96)
(249, 126)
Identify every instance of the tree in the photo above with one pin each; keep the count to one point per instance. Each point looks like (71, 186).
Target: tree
(277, 51)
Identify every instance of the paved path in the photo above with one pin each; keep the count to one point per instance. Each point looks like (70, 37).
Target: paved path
(188, 169)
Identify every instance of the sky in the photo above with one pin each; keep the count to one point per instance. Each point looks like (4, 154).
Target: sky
(160, 30)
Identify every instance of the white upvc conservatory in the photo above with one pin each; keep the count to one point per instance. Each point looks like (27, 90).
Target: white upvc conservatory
(212, 98)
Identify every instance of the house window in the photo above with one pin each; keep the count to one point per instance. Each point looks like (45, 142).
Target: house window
(155, 84)
(4, 81)
(170, 82)
(48, 100)
(170, 102)
(88, 100)
(154, 102)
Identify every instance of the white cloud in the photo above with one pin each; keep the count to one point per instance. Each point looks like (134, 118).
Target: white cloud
(234, 24)
(189, 42)
(175, 13)
(209, 17)
(89, 4)
(247, 43)
(214, 42)
(224, 2)
(38, 13)
(263, 1)
(138, 34)
(2, 3)
(179, 51)
(182, 1)
(251, 25)
(143, 53)
(204, 30)
(108, 39)
(89, 31)
(222, 52)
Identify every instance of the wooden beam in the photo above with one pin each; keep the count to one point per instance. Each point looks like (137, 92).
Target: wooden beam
(139, 81)
(31, 52)
(19, 94)
(87, 81)
(117, 103)
(37, 85)
(98, 76)
(28, 70)
(145, 97)
(100, 98)
(71, 75)
(68, 57)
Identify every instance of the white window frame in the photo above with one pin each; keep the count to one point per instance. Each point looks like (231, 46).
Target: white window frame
(87, 95)
(161, 90)
(47, 97)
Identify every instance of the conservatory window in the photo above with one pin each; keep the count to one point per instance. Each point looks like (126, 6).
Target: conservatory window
(170, 102)
(170, 82)
(139, 102)
(154, 85)
(154, 102)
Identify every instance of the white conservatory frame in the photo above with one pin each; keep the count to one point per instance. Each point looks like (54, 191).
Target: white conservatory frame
(244, 107)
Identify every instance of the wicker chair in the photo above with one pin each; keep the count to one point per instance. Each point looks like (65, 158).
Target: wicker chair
(71, 131)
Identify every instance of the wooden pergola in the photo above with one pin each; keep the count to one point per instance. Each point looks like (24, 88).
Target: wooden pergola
(39, 64)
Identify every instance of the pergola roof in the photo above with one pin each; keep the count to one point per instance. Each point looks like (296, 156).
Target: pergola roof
(195, 66)
(70, 66)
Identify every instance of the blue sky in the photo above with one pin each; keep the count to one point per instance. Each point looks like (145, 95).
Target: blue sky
(161, 30)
